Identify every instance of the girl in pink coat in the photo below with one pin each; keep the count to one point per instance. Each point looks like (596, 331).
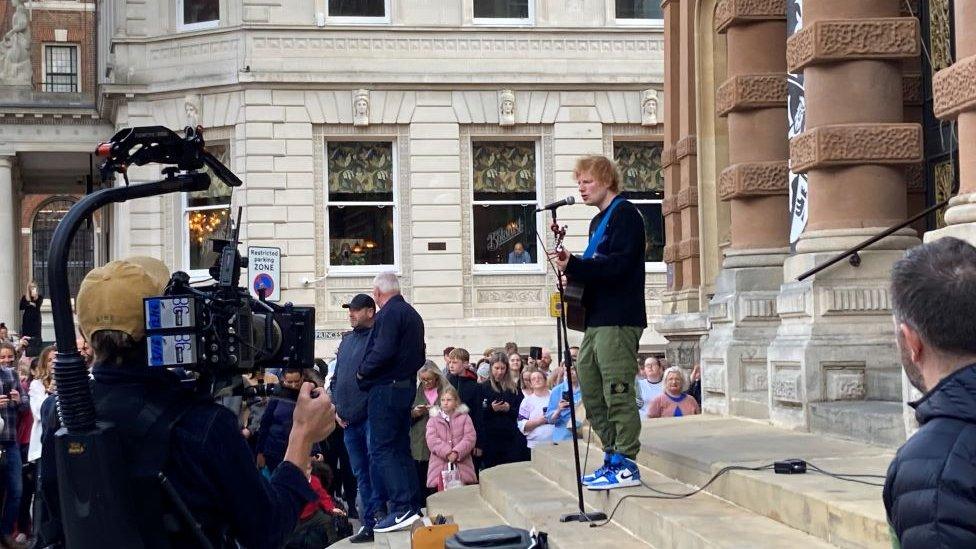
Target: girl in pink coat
(451, 439)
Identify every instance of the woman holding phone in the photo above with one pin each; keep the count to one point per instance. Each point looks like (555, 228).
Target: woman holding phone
(432, 384)
(499, 436)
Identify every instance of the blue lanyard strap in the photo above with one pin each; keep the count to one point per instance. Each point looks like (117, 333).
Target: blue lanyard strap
(597, 235)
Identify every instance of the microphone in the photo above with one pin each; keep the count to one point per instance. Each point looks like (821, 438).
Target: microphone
(568, 201)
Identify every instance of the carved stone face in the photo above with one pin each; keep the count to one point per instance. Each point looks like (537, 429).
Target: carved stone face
(362, 106)
(650, 107)
(508, 107)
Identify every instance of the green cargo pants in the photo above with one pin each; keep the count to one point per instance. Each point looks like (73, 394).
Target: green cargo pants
(607, 368)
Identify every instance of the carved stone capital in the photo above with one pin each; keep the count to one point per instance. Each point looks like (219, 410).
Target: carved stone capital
(751, 91)
(911, 89)
(667, 157)
(750, 179)
(955, 89)
(847, 40)
(686, 198)
(732, 12)
(850, 144)
(671, 253)
(688, 248)
(687, 146)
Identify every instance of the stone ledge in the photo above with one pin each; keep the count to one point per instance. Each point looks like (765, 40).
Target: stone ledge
(751, 179)
(751, 91)
(848, 40)
(852, 144)
(954, 89)
(732, 12)
(687, 146)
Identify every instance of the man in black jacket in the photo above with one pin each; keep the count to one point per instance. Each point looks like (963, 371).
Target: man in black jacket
(395, 351)
(612, 271)
(930, 492)
(350, 403)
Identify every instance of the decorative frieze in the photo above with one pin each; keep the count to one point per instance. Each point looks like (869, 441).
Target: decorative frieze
(844, 382)
(838, 301)
(848, 40)
(732, 12)
(792, 302)
(751, 91)
(787, 384)
(686, 198)
(751, 179)
(757, 308)
(854, 144)
(510, 295)
(954, 89)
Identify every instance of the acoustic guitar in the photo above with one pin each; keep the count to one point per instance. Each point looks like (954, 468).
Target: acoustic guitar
(573, 311)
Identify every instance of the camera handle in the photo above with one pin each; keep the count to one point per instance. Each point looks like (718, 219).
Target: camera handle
(93, 506)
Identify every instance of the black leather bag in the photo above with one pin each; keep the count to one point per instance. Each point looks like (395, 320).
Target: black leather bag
(497, 537)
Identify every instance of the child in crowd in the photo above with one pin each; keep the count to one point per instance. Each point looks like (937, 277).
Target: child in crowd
(315, 528)
(451, 439)
(532, 418)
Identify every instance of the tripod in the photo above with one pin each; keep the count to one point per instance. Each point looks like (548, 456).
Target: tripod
(563, 353)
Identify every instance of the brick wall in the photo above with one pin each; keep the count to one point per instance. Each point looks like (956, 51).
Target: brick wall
(81, 31)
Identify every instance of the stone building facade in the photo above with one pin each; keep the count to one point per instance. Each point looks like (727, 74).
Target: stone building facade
(412, 135)
(884, 107)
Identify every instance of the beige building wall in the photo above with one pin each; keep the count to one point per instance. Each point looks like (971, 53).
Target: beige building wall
(276, 87)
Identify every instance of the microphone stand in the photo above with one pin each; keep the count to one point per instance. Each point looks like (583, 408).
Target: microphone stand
(562, 336)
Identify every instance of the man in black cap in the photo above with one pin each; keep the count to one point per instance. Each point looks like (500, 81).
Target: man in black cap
(350, 402)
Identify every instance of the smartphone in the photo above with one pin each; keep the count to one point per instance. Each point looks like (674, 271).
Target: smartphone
(567, 396)
(535, 352)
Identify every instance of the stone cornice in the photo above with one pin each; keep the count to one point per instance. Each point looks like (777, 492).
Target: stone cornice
(732, 12)
(687, 146)
(847, 40)
(852, 144)
(752, 179)
(751, 91)
(955, 89)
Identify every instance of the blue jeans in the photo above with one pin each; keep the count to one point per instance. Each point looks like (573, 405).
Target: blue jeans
(356, 438)
(13, 487)
(388, 410)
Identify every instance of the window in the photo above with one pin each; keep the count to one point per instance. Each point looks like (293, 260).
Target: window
(639, 12)
(61, 69)
(81, 255)
(360, 205)
(206, 216)
(358, 11)
(505, 190)
(643, 184)
(503, 12)
(198, 14)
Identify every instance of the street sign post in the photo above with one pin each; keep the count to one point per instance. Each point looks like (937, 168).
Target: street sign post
(264, 272)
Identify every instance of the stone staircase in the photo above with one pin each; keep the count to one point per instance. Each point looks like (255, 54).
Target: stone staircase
(740, 509)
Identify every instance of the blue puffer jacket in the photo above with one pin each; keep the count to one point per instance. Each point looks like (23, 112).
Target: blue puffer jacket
(930, 492)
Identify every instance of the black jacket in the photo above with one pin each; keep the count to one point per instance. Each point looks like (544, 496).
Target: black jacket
(349, 399)
(614, 276)
(395, 349)
(498, 435)
(470, 392)
(930, 492)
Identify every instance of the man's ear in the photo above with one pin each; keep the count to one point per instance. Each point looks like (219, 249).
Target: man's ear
(912, 342)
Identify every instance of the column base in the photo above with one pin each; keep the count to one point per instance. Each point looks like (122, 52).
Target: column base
(834, 354)
(684, 333)
(743, 324)
(961, 219)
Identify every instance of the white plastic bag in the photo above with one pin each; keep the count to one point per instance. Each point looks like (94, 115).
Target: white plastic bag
(451, 477)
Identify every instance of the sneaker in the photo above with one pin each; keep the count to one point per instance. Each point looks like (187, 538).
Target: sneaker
(397, 521)
(587, 479)
(364, 535)
(620, 475)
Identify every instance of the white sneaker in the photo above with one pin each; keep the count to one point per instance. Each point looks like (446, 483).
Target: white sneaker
(624, 475)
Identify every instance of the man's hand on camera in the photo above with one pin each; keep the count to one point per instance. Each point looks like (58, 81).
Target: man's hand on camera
(314, 419)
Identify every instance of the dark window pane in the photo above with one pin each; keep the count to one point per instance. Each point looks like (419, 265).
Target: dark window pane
(501, 9)
(639, 9)
(200, 11)
(60, 69)
(360, 172)
(504, 171)
(202, 225)
(640, 166)
(653, 232)
(218, 193)
(497, 231)
(357, 8)
(81, 254)
(361, 235)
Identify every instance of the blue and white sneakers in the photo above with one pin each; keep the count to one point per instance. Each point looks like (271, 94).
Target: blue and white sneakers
(397, 521)
(619, 472)
(587, 479)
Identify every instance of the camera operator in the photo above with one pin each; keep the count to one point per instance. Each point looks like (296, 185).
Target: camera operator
(196, 443)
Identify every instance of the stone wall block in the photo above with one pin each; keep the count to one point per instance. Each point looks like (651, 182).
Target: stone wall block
(732, 12)
(687, 146)
(686, 198)
(955, 89)
(667, 157)
(827, 41)
(787, 384)
(844, 382)
(688, 248)
(713, 378)
(854, 144)
(751, 91)
(752, 179)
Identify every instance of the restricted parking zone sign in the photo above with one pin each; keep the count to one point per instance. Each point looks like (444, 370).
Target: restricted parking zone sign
(264, 272)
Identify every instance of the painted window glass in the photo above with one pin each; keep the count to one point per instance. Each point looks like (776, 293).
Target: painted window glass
(504, 183)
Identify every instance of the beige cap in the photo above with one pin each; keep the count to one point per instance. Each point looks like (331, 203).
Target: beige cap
(111, 296)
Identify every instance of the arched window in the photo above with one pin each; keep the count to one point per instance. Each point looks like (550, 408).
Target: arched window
(81, 256)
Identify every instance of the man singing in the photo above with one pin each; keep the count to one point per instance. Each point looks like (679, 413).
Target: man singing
(612, 272)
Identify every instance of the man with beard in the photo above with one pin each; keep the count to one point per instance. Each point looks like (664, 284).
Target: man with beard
(930, 490)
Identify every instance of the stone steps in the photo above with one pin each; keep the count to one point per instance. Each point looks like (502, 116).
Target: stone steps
(845, 514)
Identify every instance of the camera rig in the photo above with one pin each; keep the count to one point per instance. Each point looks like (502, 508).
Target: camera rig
(218, 331)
